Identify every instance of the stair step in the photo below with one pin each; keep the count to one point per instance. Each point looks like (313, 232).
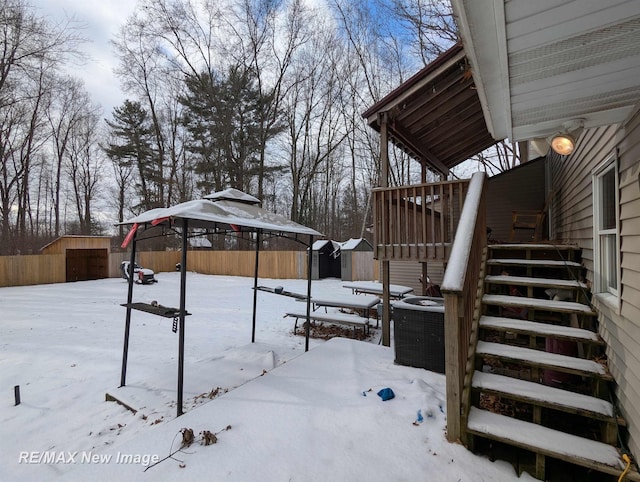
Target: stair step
(544, 395)
(534, 247)
(549, 442)
(543, 359)
(538, 304)
(537, 263)
(536, 282)
(539, 329)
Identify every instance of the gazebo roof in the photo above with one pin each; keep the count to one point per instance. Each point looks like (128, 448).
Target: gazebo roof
(223, 214)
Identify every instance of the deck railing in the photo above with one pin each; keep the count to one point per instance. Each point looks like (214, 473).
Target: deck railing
(417, 222)
(462, 290)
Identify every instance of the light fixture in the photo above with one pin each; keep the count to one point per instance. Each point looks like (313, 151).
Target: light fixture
(564, 142)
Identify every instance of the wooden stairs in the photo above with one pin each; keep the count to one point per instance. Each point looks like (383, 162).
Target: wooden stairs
(540, 384)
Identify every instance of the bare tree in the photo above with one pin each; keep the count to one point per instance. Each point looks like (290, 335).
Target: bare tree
(427, 27)
(85, 167)
(69, 108)
(32, 50)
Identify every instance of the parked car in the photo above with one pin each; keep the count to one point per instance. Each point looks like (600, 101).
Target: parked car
(140, 275)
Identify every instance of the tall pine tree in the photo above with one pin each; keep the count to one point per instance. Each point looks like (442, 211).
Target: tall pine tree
(223, 117)
(131, 134)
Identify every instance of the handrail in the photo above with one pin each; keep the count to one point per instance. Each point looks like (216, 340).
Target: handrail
(460, 286)
(454, 276)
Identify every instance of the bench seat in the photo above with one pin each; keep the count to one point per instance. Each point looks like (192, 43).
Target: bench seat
(336, 318)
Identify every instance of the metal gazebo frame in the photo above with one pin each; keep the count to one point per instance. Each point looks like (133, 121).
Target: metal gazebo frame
(222, 213)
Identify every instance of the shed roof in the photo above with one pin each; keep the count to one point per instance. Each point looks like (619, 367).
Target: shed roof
(436, 115)
(62, 243)
(354, 243)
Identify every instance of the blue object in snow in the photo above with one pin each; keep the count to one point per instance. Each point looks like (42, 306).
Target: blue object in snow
(386, 394)
(419, 419)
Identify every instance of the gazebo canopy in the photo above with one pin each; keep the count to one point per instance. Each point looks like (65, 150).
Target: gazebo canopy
(229, 210)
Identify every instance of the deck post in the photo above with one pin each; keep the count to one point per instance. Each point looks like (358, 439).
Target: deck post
(384, 182)
(454, 372)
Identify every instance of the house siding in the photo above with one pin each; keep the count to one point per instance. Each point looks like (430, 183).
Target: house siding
(572, 219)
(518, 189)
(408, 273)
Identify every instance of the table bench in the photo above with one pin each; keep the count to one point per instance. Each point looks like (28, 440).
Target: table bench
(361, 303)
(375, 288)
(336, 318)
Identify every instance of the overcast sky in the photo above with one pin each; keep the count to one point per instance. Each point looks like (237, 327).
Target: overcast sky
(102, 19)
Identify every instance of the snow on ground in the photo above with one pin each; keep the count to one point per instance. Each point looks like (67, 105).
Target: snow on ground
(294, 416)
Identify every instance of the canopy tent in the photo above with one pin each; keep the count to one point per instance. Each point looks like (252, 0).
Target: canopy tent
(222, 213)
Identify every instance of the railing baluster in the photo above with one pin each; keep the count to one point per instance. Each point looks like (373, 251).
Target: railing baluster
(427, 234)
(423, 220)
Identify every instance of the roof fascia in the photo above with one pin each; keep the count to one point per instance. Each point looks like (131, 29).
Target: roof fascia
(400, 99)
(483, 29)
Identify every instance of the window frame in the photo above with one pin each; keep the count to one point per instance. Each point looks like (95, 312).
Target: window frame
(601, 282)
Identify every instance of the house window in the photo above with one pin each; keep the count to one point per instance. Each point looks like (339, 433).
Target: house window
(606, 239)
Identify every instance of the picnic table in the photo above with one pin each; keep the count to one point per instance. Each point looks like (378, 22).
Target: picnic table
(375, 288)
(351, 302)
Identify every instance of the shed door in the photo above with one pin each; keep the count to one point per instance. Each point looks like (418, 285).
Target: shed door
(87, 264)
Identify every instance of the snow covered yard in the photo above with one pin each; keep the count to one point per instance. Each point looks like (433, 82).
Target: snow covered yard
(308, 417)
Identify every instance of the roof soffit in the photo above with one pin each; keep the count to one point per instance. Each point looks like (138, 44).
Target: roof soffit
(482, 27)
(539, 65)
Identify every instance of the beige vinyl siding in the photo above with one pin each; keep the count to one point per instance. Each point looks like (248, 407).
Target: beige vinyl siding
(573, 192)
(407, 273)
(620, 333)
(573, 222)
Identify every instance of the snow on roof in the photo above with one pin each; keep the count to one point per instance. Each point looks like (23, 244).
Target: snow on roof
(321, 243)
(232, 194)
(199, 242)
(353, 243)
(205, 213)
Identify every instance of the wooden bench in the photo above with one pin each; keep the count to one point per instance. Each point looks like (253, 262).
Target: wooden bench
(336, 318)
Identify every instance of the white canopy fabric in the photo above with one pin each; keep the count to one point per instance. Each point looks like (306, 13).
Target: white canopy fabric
(233, 195)
(224, 214)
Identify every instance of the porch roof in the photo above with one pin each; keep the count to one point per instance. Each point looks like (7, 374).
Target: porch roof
(436, 115)
(540, 66)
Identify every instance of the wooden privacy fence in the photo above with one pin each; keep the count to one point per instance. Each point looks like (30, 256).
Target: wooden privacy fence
(51, 268)
(32, 269)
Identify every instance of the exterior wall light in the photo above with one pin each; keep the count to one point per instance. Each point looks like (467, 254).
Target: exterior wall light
(564, 142)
